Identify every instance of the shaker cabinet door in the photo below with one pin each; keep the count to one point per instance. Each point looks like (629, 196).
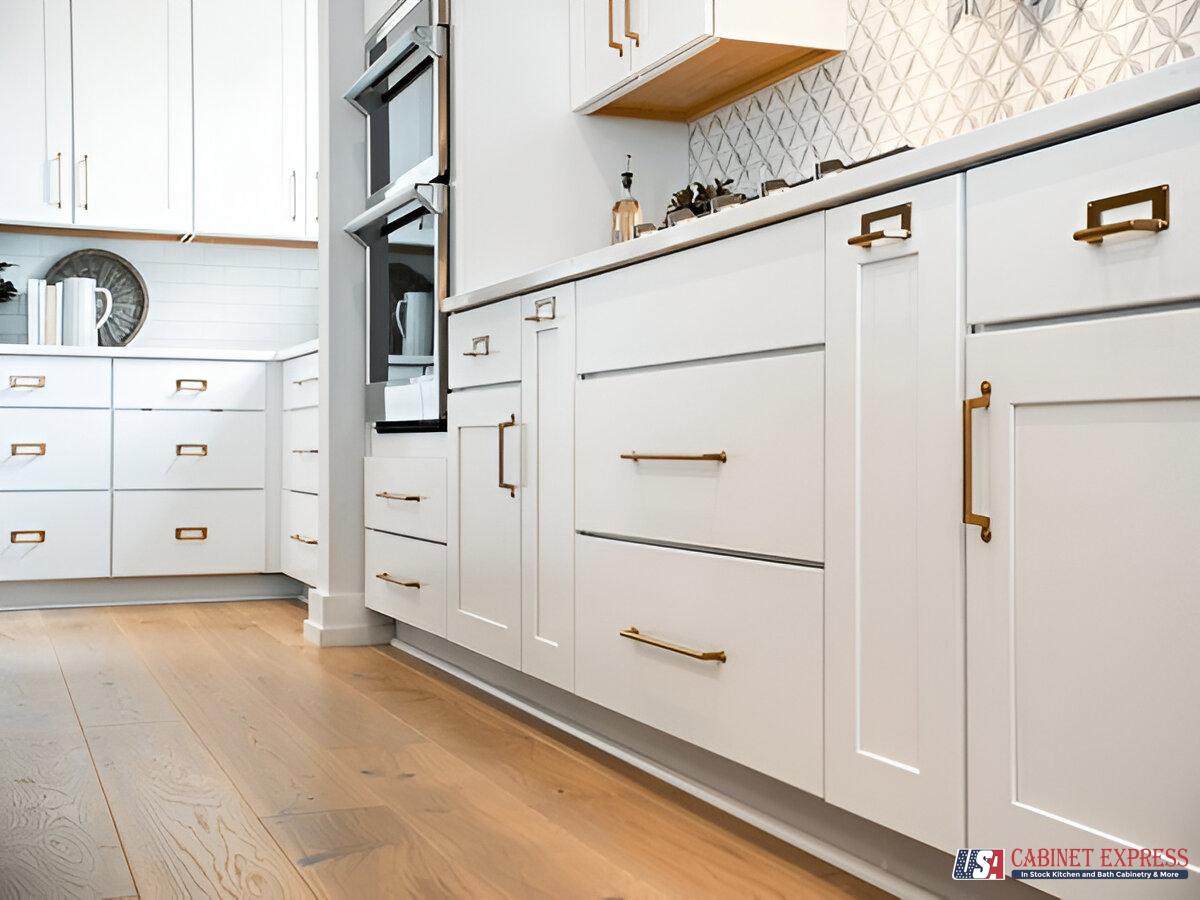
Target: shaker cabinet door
(664, 27)
(1085, 604)
(602, 51)
(894, 681)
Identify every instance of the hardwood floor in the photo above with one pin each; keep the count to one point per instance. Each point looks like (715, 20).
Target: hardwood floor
(206, 751)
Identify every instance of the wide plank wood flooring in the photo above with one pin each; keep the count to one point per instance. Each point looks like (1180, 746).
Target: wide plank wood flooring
(206, 751)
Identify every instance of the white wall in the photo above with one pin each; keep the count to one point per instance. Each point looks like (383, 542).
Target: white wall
(533, 182)
(201, 295)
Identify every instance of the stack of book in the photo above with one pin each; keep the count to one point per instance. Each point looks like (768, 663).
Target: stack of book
(44, 312)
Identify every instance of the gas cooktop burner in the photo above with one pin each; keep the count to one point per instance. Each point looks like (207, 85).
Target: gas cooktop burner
(823, 169)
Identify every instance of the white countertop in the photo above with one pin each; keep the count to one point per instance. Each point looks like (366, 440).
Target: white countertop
(1158, 91)
(161, 352)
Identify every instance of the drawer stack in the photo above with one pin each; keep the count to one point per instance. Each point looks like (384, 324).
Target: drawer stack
(300, 467)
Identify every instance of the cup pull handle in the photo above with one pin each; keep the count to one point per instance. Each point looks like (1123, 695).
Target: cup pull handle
(970, 517)
(26, 381)
(28, 449)
(538, 306)
(485, 341)
(868, 236)
(27, 537)
(193, 533)
(191, 384)
(1159, 199)
(191, 449)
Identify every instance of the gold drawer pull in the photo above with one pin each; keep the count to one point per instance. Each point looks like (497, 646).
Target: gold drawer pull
(26, 381)
(300, 381)
(684, 457)
(27, 537)
(706, 655)
(1159, 199)
(501, 483)
(28, 450)
(299, 538)
(867, 237)
(970, 517)
(637, 38)
(485, 341)
(384, 576)
(387, 495)
(538, 306)
(191, 384)
(192, 533)
(612, 42)
(191, 449)
(306, 451)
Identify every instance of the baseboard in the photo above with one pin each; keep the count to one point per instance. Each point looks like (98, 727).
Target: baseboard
(343, 620)
(363, 635)
(61, 594)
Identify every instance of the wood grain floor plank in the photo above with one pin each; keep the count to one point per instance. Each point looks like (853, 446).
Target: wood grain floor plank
(186, 830)
(32, 690)
(56, 836)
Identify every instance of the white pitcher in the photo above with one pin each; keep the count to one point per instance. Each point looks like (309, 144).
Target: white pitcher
(80, 325)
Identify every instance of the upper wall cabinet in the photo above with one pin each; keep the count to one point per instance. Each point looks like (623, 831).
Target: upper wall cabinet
(250, 118)
(681, 59)
(35, 156)
(132, 63)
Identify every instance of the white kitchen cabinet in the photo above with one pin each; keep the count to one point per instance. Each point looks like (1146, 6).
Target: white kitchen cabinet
(601, 45)
(35, 105)
(894, 627)
(312, 121)
(406, 579)
(188, 449)
(484, 522)
(299, 518)
(132, 66)
(548, 499)
(54, 534)
(55, 449)
(250, 118)
(661, 28)
(1085, 604)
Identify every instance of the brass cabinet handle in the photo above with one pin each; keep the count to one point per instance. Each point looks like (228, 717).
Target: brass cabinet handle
(706, 655)
(28, 450)
(386, 495)
(300, 381)
(301, 539)
(27, 537)
(970, 517)
(612, 42)
(384, 576)
(191, 384)
(484, 340)
(538, 306)
(192, 533)
(191, 449)
(1159, 199)
(501, 483)
(866, 236)
(58, 160)
(719, 456)
(306, 451)
(295, 201)
(637, 38)
(26, 381)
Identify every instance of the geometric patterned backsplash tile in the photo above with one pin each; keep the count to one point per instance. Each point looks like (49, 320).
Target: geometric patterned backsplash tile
(917, 71)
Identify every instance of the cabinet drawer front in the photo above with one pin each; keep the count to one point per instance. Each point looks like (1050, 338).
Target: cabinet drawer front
(761, 707)
(485, 345)
(301, 450)
(765, 415)
(188, 384)
(406, 580)
(177, 449)
(756, 291)
(301, 386)
(407, 496)
(55, 381)
(299, 535)
(45, 535)
(54, 450)
(188, 532)
(1023, 260)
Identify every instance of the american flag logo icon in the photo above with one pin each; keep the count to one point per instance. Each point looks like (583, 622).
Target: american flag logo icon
(979, 864)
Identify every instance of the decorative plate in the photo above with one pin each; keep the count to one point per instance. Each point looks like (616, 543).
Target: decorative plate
(131, 298)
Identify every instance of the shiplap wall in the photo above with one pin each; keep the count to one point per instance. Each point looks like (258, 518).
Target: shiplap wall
(209, 296)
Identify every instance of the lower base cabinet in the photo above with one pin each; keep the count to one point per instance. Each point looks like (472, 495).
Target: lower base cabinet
(54, 534)
(299, 538)
(406, 579)
(644, 614)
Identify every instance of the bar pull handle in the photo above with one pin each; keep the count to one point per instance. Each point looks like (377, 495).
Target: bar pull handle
(27, 537)
(538, 306)
(637, 38)
(87, 180)
(868, 236)
(26, 381)
(705, 655)
(501, 483)
(191, 449)
(28, 449)
(719, 456)
(295, 202)
(191, 384)
(1159, 199)
(306, 451)
(194, 533)
(612, 42)
(300, 381)
(387, 495)
(302, 539)
(384, 576)
(970, 517)
(485, 341)
(58, 161)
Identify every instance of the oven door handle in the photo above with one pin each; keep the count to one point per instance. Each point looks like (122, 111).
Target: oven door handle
(430, 196)
(433, 39)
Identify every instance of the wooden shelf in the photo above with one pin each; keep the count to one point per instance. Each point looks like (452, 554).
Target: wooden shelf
(108, 234)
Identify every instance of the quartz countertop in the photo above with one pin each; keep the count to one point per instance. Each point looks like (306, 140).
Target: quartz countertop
(1155, 92)
(161, 352)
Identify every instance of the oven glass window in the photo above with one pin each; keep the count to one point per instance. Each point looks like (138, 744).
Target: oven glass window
(411, 303)
(402, 126)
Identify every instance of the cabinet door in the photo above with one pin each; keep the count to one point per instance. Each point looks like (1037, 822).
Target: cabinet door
(548, 500)
(604, 66)
(133, 113)
(312, 142)
(1085, 604)
(663, 27)
(35, 154)
(484, 522)
(894, 571)
(250, 82)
